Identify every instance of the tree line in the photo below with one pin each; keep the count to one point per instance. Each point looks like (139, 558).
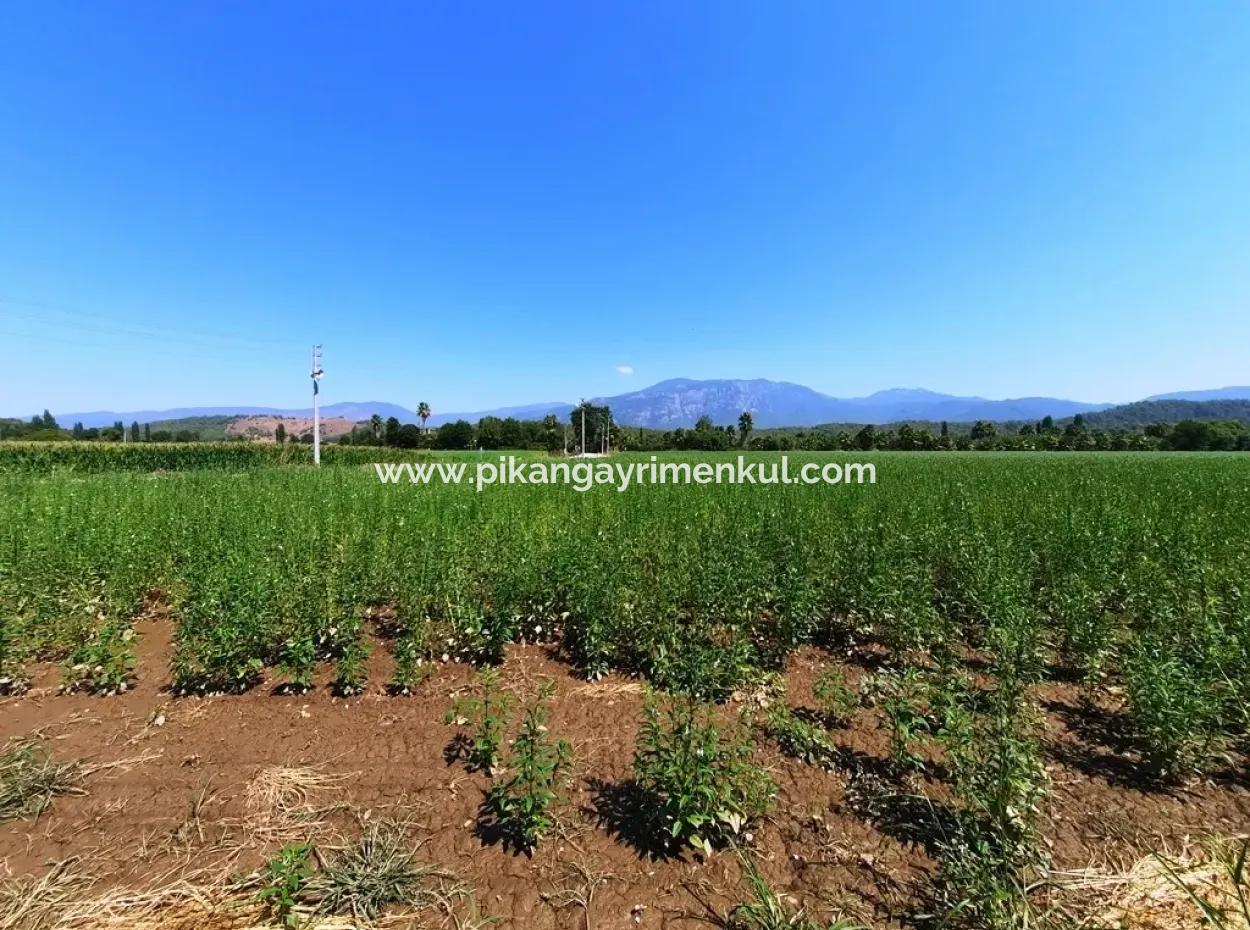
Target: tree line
(554, 435)
(590, 428)
(44, 427)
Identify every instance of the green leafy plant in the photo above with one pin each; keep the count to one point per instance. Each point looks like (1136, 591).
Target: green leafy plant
(902, 697)
(299, 660)
(999, 777)
(702, 787)
(103, 663)
(283, 878)
(486, 714)
(1174, 717)
(351, 675)
(795, 736)
(767, 911)
(410, 666)
(836, 701)
(520, 805)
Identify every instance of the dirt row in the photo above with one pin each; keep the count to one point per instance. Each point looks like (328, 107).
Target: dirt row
(172, 778)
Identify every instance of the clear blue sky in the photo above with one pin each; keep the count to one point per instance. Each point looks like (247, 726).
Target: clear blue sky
(476, 204)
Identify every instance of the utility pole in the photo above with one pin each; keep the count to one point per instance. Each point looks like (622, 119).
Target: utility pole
(607, 438)
(583, 448)
(316, 378)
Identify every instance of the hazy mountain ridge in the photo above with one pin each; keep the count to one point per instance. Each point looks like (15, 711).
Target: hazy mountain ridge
(679, 402)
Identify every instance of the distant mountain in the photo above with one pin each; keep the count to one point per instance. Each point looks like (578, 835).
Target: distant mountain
(348, 410)
(1224, 393)
(525, 412)
(1145, 412)
(681, 401)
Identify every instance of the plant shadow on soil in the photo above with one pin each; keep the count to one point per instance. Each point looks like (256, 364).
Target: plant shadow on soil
(457, 749)
(1102, 747)
(625, 811)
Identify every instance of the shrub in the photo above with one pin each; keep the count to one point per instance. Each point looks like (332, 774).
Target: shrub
(797, 737)
(487, 715)
(104, 663)
(283, 879)
(1174, 718)
(703, 787)
(520, 806)
(410, 667)
(1000, 779)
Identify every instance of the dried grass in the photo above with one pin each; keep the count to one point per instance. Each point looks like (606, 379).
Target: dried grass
(1157, 892)
(281, 792)
(30, 778)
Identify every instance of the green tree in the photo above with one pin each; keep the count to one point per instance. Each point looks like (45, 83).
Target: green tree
(423, 413)
(408, 437)
(490, 433)
(279, 433)
(553, 437)
(598, 419)
(746, 424)
(457, 435)
(982, 430)
(375, 426)
(391, 432)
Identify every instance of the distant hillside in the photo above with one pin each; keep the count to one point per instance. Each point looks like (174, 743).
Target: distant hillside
(349, 410)
(264, 427)
(1145, 412)
(208, 427)
(680, 402)
(1224, 393)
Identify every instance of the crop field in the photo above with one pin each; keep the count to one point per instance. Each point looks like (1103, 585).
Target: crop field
(972, 694)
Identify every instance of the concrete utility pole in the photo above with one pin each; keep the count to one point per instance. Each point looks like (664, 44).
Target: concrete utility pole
(316, 378)
(582, 451)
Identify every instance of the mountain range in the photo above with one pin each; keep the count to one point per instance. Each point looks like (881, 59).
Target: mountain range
(681, 401)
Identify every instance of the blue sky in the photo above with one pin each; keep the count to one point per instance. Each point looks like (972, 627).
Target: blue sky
(477, 204)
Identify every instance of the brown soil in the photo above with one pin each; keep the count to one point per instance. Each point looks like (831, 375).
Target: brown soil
(178, 798)
(262, 427)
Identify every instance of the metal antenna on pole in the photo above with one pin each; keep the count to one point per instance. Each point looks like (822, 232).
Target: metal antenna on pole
(316, 377)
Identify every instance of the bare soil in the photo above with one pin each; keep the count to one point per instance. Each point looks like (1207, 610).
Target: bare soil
(262, 427)
(177, 796)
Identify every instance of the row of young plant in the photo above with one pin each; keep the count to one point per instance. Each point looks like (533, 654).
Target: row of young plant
(1131, 569)
(698, 783)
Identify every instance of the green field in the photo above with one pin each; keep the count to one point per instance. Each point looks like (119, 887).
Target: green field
(965, 584)
(1102, 563)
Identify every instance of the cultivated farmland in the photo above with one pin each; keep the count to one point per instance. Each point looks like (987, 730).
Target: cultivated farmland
(879, 703)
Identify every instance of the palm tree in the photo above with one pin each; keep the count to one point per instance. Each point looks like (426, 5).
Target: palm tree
(423, 411)
(375, 424)
(746, 423)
